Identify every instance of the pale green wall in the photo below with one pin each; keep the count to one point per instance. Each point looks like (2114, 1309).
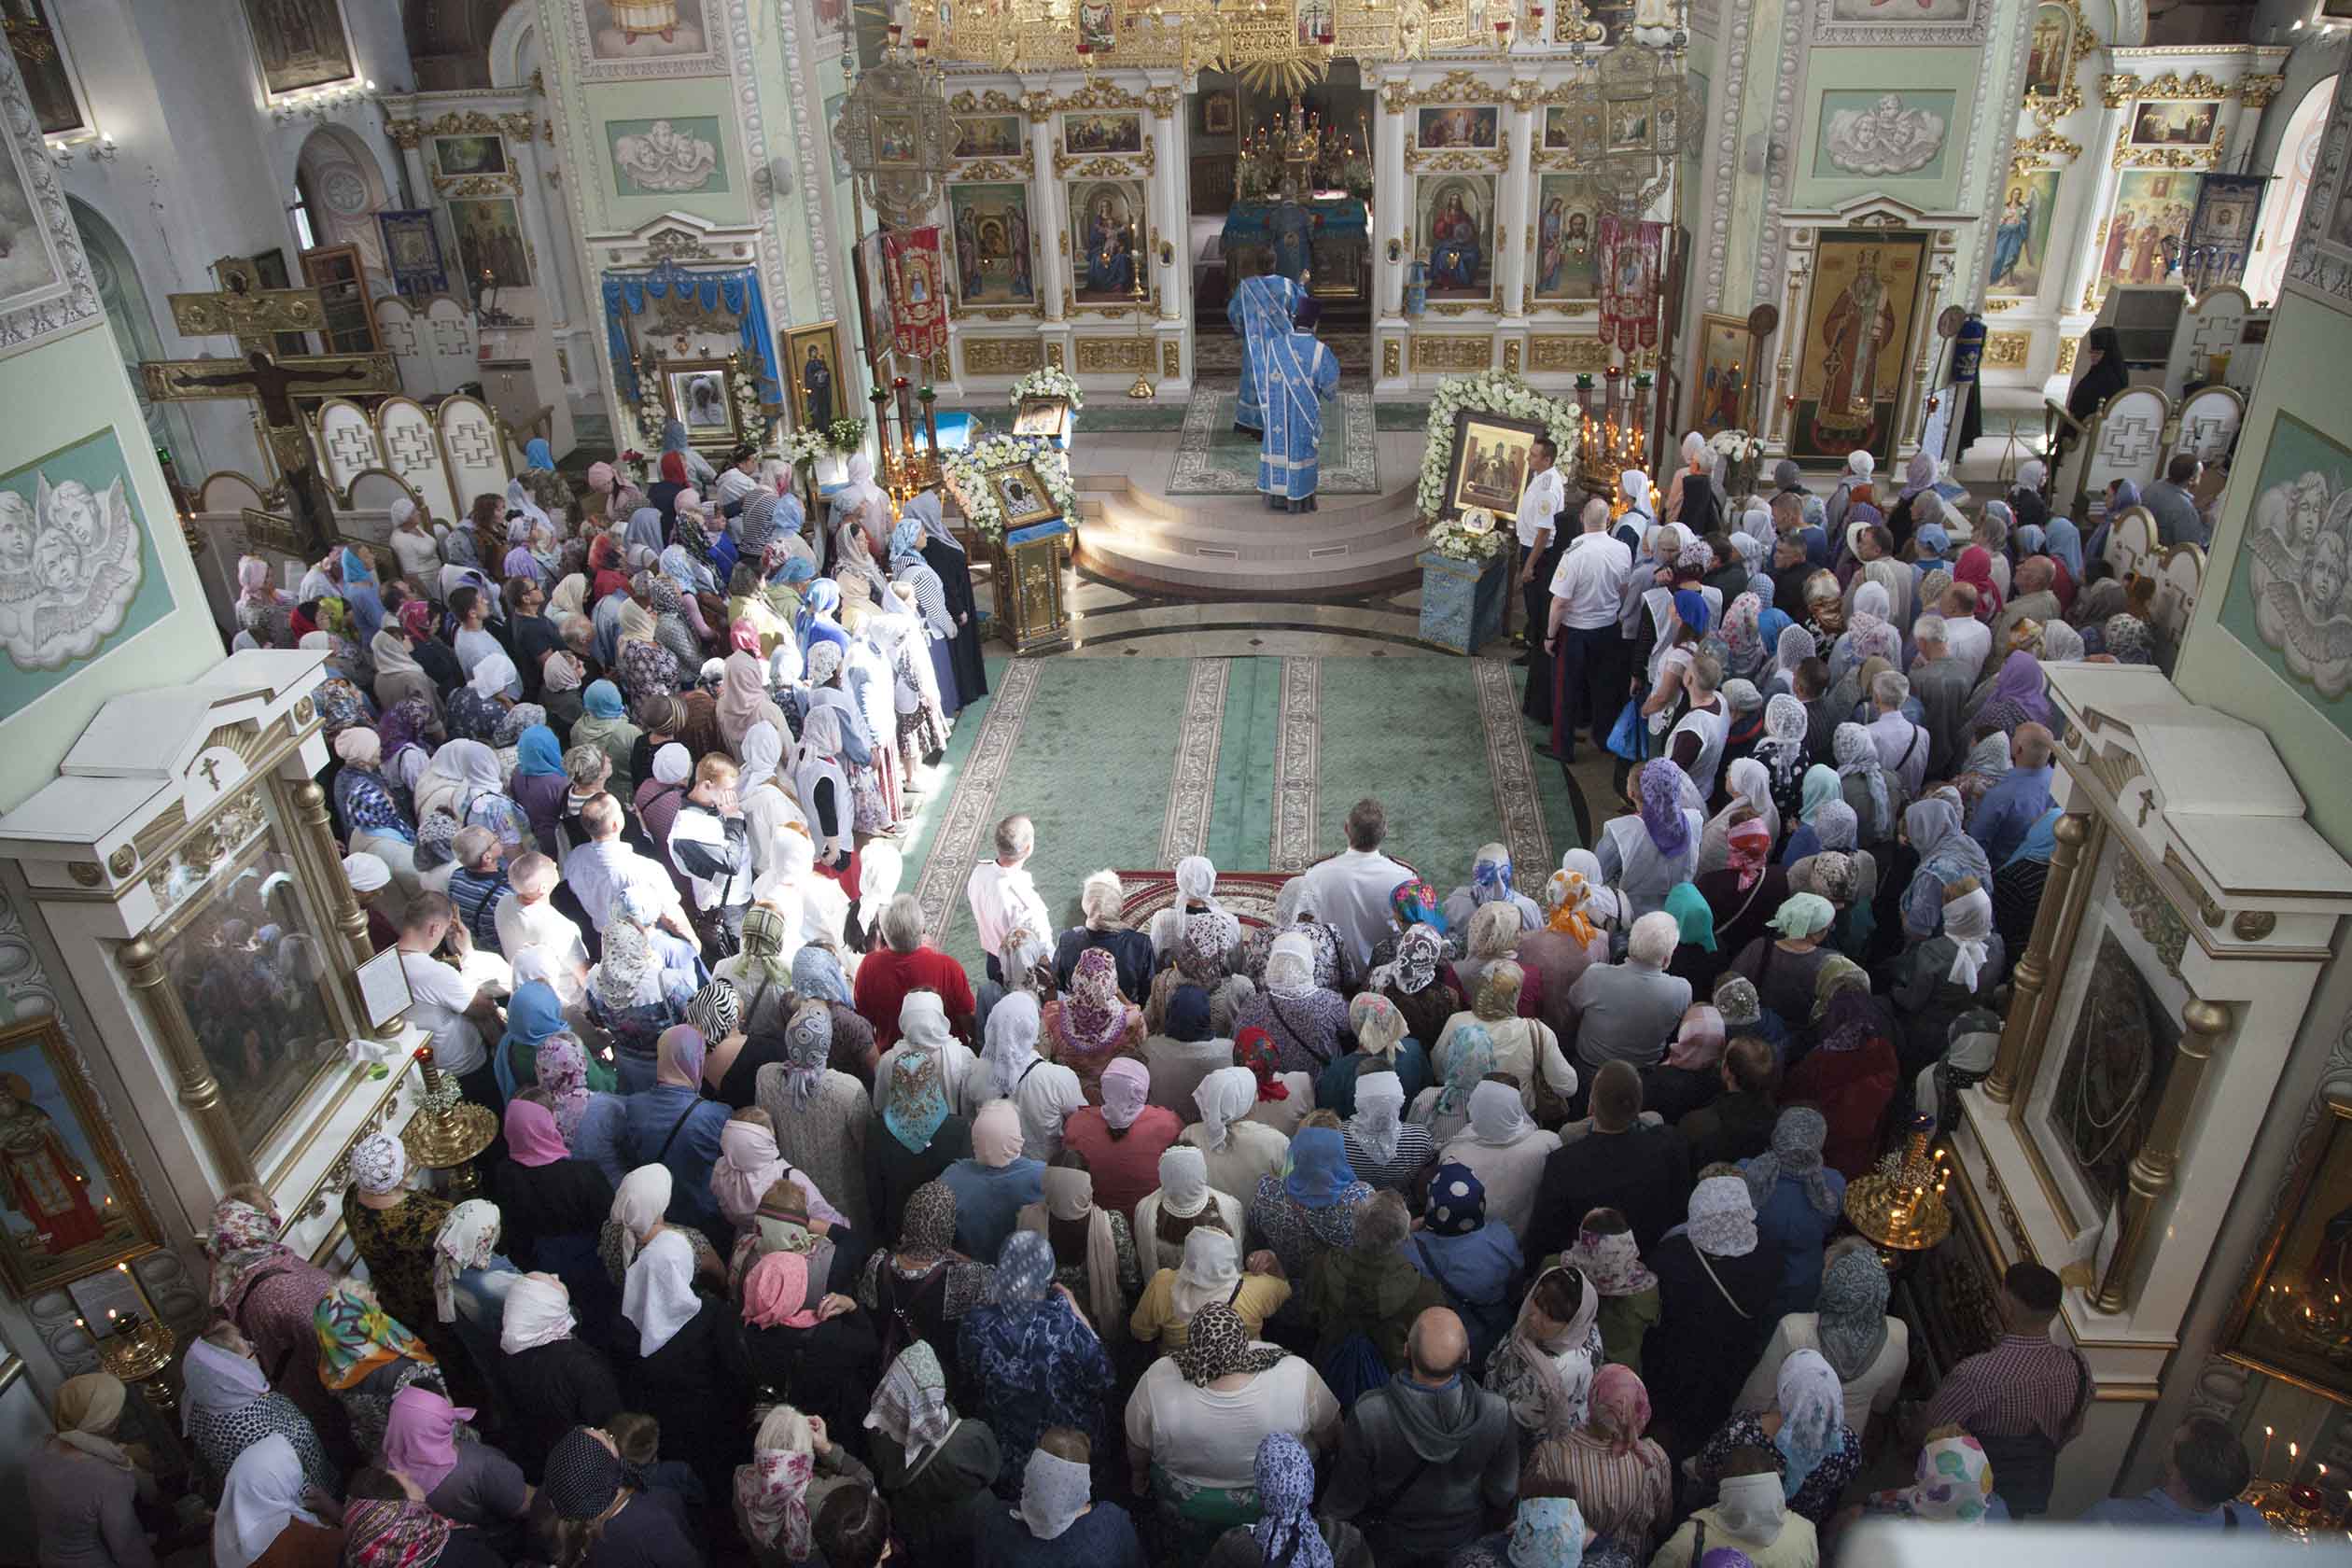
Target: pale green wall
(57, 393)
(2302, 371)
(658, 100)
(1845, 71)
(1756, 121)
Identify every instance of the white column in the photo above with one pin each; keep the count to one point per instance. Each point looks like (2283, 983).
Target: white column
(1514, 203)
(1052, 268)
(1392, 221)
(1171, 198)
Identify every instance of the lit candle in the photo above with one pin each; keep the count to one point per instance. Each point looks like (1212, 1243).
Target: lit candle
(2267, 1433)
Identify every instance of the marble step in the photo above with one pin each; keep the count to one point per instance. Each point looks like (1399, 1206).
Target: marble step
(1233, 545)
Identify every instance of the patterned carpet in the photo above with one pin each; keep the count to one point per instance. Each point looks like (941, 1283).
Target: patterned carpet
(1253, 762)
(1216, 459)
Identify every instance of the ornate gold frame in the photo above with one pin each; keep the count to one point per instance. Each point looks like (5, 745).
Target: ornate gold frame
(2335, 1124)
(45, 1032)
(2080, 42)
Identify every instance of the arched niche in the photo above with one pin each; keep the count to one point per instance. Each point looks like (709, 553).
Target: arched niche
(132, 319)
(344, 188)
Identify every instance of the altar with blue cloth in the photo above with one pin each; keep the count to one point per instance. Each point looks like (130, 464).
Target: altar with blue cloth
(1330, 235)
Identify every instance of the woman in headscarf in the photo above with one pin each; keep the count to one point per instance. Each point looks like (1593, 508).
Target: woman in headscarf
(552, 1201)
(642, 665)
(1041, 1091)
(463, 790)
(1741, 900)
(261, 609)
(475, 708)
(367, 805)
(695, 466)
(1092, 1023)
(1644, 854)
(1781, 753)
(228, 1405)
(462, 1479)
(1094, 1250)
(271, 1293)
(1621, 1479)
(744, 701)
(1211, 934)
(1288, 1532)
(1799, 1203)
(366, 1356)
(685, 1376)
(1864, 785)
(1952, 1484)
(1975, 569)
(1715, 1287)
(1691, 1074)
(748, 1172)
(1033, 1355)
(1572, 939)
(1207, 1271)
(1195, 1421)
(1865, 1346)
(1639, 511)
(606, 726)
(1311, 1204)
(1490, 936)
(1238, 1150)
(1444, 1109)
(1298, 906)
(1745, 655)
(1305, 1020)
(399, 675)
(1932, 828)
(471, 1279)
(1490, 882)
(911, 571)
(1183, 1202)
(1000, 1179)
(934, 1469)
(796, 1465)
(922, 1289)
(797, 1335)
(819, 1112)
(1383, 1148)
(1544, 1368)
(1474, 1257)
(606, 1513)
(1947, 974)
(1805, 1430)
(392, 1229)
(822, 783)
(2020, 681)
(915, 1137)
(817, 976)
(270, 1512)
(84, 1485)
(1821, 787)
(947, 559)
(1851, 1076)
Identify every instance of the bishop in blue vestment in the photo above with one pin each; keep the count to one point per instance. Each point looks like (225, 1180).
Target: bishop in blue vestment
(1260, 312)
(1295, 376)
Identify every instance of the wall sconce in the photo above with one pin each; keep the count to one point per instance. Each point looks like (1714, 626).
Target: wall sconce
(320, 102)
(103, 151)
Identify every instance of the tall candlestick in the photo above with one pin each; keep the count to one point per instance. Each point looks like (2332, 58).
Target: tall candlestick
(2267, 1433)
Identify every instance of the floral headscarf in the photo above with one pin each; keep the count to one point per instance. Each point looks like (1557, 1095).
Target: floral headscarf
(1953, 1484)
(1094, 1014)
(1414, 966)
(1661, 798)
(1619, 1407)
(1254, 1048)
(772, 1491)
(808, 1045)
(1472, 1059)
(918, 1099)
(1415, 903)
(1613, 1264)
(1857, 758)
(1548, 1532)
(356, 1335)
(1743, 636)
(563, 1072)
(1286, 1531)
(817, 974)
(381, 1534)
(1812, 1406)
(245, 1237)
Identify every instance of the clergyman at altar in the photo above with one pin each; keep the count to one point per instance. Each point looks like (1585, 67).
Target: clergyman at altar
(1296, 375)
(1260, 311)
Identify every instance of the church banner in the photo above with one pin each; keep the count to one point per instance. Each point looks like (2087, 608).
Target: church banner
(918, 305)
(1629, 282)
(2222, 234)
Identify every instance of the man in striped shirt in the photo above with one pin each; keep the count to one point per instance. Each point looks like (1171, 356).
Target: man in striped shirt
(2025, 1398)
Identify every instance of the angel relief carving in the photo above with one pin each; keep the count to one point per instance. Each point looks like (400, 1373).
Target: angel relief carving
(69, 567)
(1885, 138)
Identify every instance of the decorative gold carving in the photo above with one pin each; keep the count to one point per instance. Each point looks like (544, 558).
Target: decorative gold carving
(1053, 354)
(2256, 89)
(1994, 307)
(1040, 106)
(1511, 358)
(2196, 84)
(2008, 351)
(303, 710)
(990, 102)
(1086, 166)
(125, 859)
(1392, 357)
(405, 134)
(2081, 41)
(1000, 356)
(1433, 352)
(1455, 87)
(2117, 87)
(2253, 925)
(1566, 352)
(2153, 913)
(85, 872)
(1171, 360)
(1462, 308)
(676, 244)
(2067, 348)
(1163, 100)
(1113, 354)
(2049, 144)
(477, 184)
(988, 169)
(2126, 155)
(1456, 160)
(1100, 93)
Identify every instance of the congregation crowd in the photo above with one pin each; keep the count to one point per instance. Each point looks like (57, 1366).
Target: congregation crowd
(1504, 1227)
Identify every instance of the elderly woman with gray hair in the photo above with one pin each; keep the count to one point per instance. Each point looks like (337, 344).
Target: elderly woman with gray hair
(1102, 899)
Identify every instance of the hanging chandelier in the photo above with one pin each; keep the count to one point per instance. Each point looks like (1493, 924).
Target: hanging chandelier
(893, 132)
(1633, 115)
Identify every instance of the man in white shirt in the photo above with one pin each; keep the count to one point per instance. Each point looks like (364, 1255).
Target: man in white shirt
(1969, 639)
(527, 919)
(1540, 506)
(453, 1009)
(1903, 746)
(1582, 638)
(597, 870)
(1003, 899)
(1352, 888)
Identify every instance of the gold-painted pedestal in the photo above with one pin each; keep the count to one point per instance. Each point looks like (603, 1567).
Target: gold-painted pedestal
(448, 1137)
(140, 1355)
(1032, 607)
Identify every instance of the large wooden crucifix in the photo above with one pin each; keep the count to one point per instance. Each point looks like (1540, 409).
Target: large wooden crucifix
(254, 316)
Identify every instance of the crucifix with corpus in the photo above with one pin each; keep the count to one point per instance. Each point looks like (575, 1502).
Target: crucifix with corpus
(252, 315)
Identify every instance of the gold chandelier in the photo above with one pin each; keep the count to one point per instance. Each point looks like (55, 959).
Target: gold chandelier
(1276, 45)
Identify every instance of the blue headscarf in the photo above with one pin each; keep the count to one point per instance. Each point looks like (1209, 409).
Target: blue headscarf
(1690, 606)
(534, 1014)
(793, 570)
(1816, 545)
(815, 972)
(918, 1100)
(1934, 539)
(2041, 840)
(602, 699)
(1770, 624)
(2066, 545)
(907, 538)
(538, 754)
(1319, 1170)
(822, 596)
(537, 455)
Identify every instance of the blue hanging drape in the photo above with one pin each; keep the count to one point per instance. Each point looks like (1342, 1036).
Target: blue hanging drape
(625, 295)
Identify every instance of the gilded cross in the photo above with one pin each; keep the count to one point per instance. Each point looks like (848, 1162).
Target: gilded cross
(243, 310)
(211, 770)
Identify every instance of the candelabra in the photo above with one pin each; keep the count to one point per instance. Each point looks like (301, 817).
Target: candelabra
(1900, 1206)
(2314, 1319)
(138, 1350)
(1615, 433)
(447, 1131)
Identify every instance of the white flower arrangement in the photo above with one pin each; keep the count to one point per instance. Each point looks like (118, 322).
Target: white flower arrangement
(1493, 392)
(651, 413)
(1470, 537)
(1737, 446)
(966, 474)
(1051, 382)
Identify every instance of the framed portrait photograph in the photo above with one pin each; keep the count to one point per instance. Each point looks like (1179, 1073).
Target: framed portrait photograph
(700, 394)
(67, 1203)
(813, 378)
(1041, 416)
(1491, 457)
(1023, 495)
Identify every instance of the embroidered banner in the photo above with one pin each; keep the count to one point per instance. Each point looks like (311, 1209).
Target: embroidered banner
(918, 305)
(1629, 282)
